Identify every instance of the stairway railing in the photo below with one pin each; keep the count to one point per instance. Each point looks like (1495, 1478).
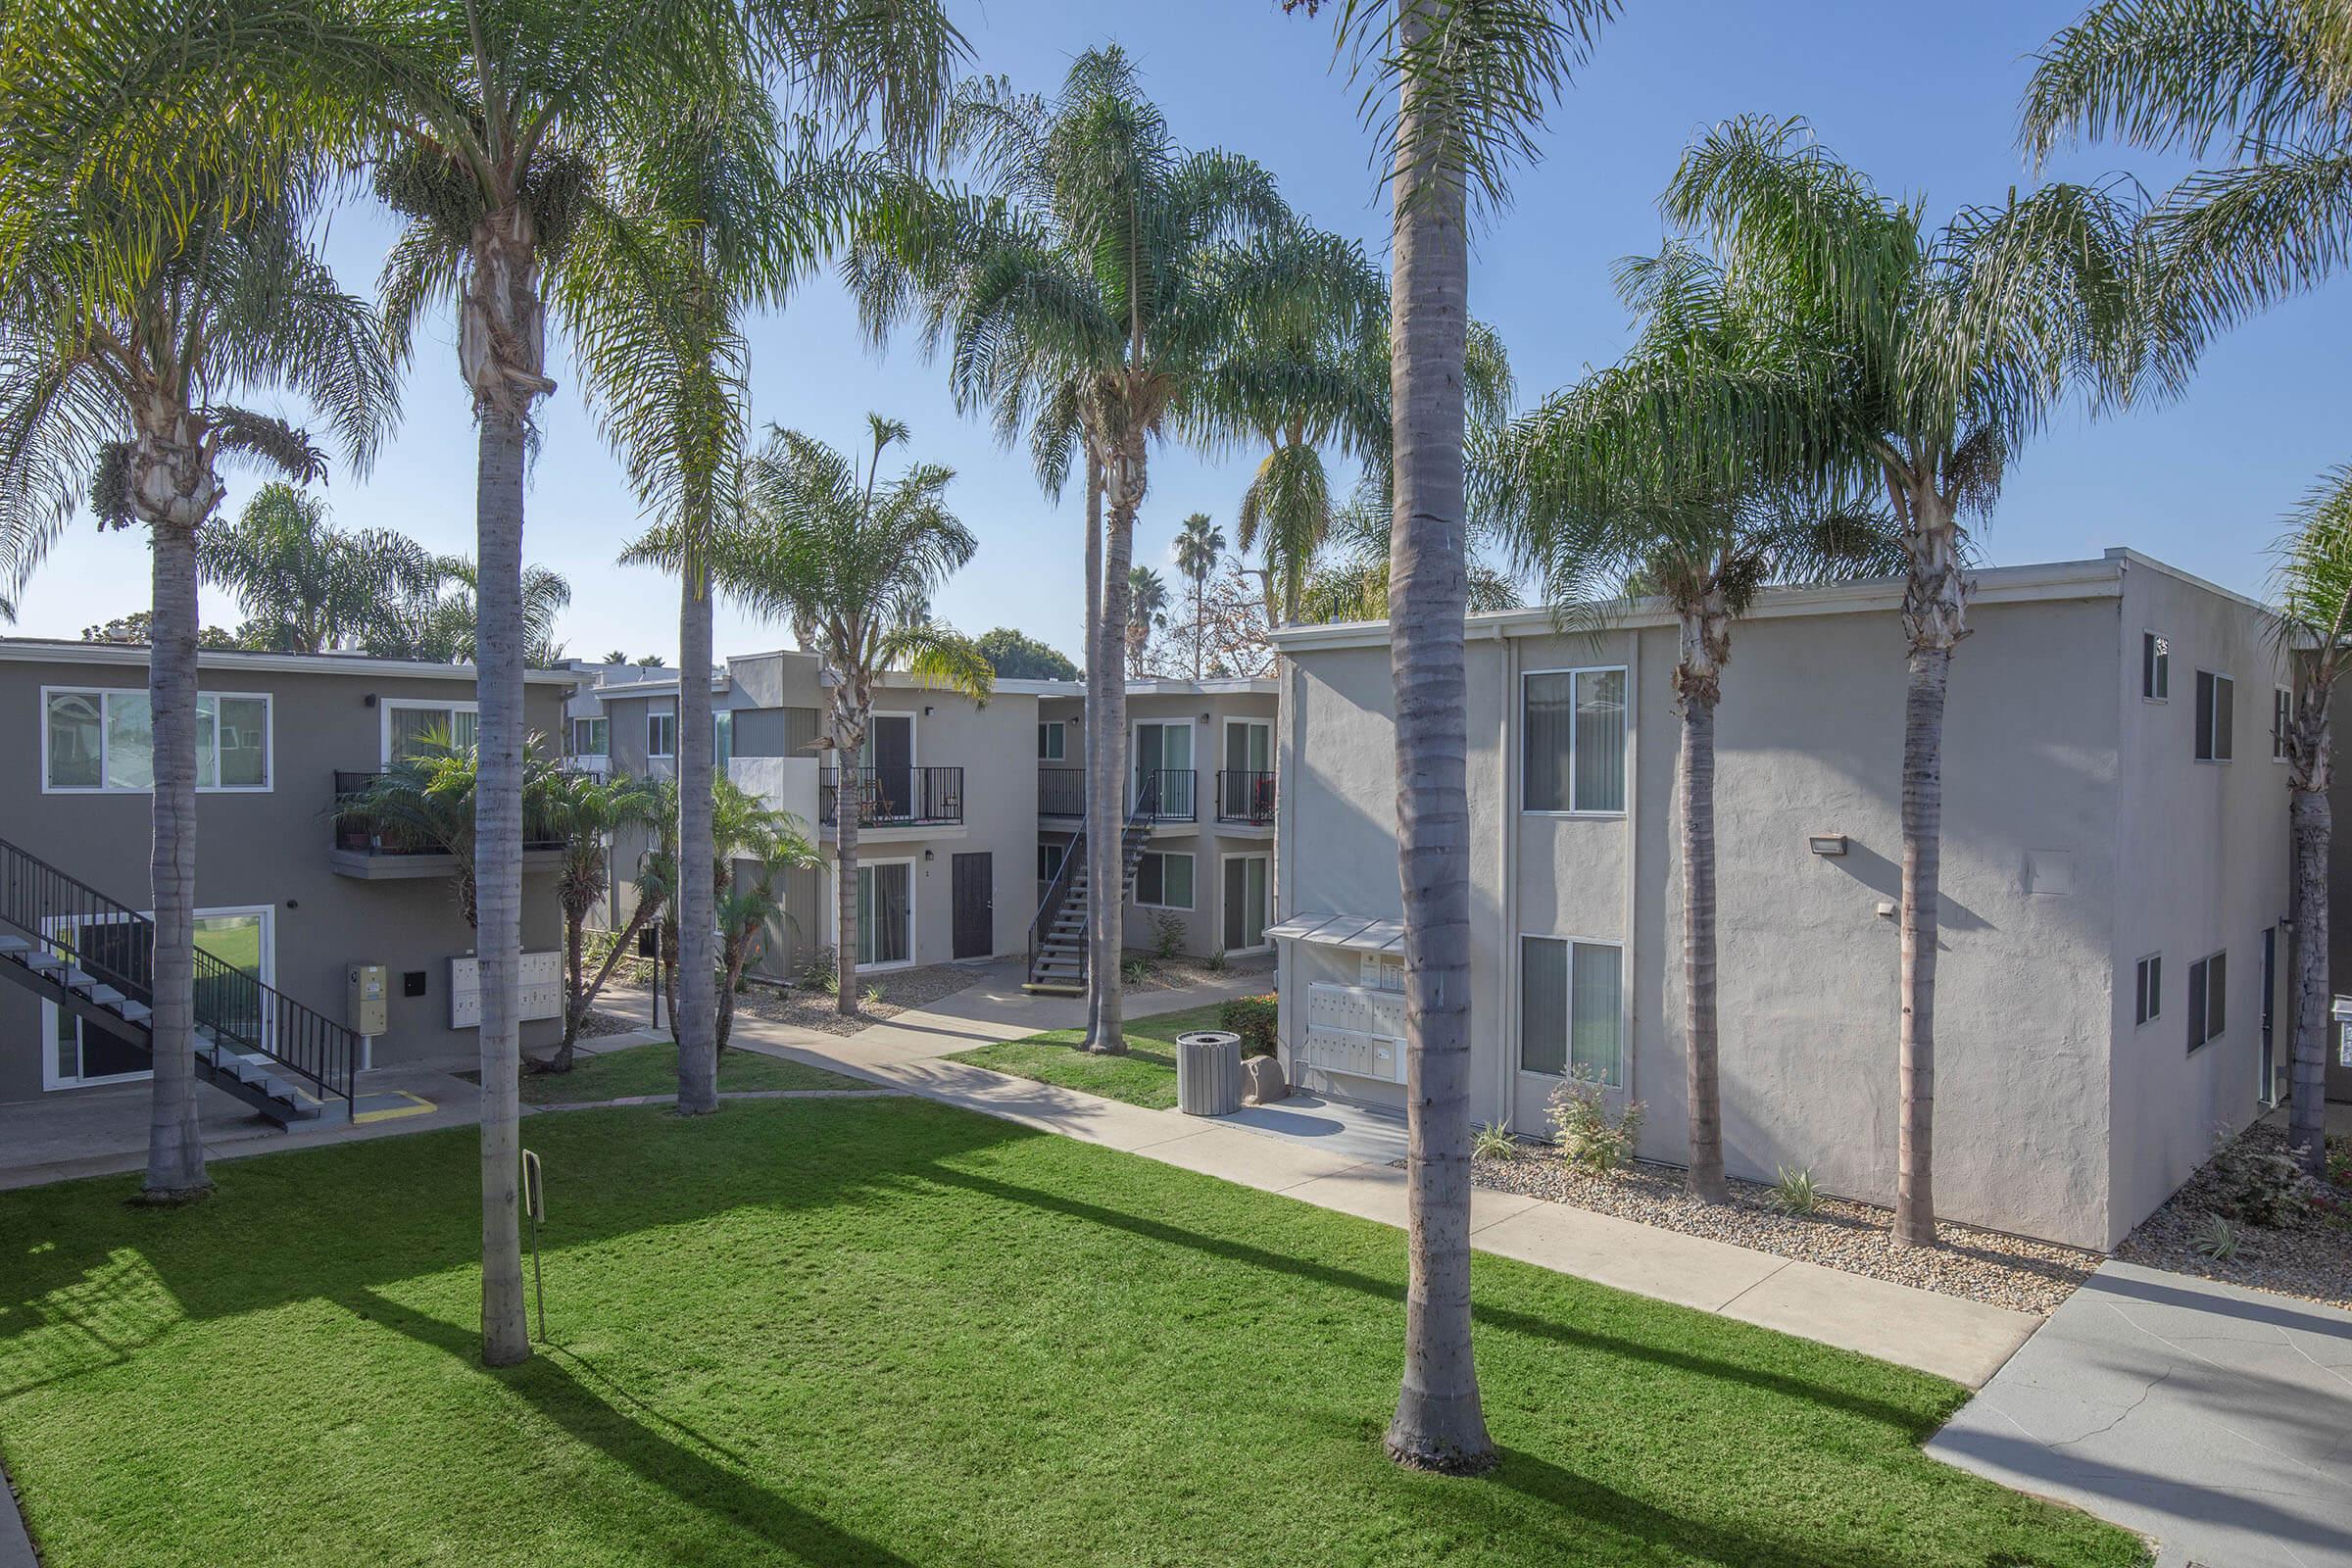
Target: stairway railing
(1144, 812)
(115, 944)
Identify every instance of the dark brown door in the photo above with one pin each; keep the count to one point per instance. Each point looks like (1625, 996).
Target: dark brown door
(975, 889)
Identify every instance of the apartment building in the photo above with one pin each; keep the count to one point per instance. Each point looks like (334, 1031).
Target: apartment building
(2115, 895)
(290, 894)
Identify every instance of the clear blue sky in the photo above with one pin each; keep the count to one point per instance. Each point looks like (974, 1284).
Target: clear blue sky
(1923, 97)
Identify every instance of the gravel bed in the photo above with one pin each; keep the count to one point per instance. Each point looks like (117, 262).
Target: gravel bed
(2024, 1276)
(599, 1022)
(1179, 973)
(2312, 1259)
(902, 990)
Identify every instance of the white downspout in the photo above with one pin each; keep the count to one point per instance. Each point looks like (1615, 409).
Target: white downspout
(1506, 969)
(1633, 851)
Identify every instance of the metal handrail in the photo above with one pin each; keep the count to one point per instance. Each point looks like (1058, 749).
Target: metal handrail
(1173, 794)
(53, 908)
(934, 795)
(1061, 792)
(1144, 812)
(1246, 795)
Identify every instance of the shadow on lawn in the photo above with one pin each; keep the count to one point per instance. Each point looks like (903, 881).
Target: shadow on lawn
(678, 1468)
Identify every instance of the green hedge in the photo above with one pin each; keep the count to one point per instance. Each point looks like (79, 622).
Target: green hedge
(1254, 1019)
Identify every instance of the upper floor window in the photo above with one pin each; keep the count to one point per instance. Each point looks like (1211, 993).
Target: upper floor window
(2283, 722)
(661, 734)
(1575, 722)
(2208, 990)
(2217, 716)
(1053, 742)
(2155, 667)
(2148, 989)
(411, 728)
(105, 740)
(591, 737)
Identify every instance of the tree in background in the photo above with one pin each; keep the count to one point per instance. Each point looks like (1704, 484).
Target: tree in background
(138, 628)
(1200, 546)
(429, 801)
(1348, 577)
(753, 846)
(439, 624)
(2312, 583)
(307, 586)
(585, 812)
(1015, 656)
(1146, 617)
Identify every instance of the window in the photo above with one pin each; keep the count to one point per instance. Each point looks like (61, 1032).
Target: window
(411, 728)
(2155, 667)
(2282, 721)
(1572, 1007)
(885, 914)
(1053, 742)
(2217, 717)
(591, 737)
(1575, 722)
(723, 741)
(75, 1054)
(1165, 881)
(1049, 860)
(2148, 989)
(2208, 990)
(103, 741)
(661, 734)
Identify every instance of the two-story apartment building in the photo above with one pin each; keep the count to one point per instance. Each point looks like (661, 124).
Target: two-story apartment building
(2115, 895)
(287, 892)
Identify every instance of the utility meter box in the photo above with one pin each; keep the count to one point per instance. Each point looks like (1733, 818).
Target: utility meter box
(365, 1009)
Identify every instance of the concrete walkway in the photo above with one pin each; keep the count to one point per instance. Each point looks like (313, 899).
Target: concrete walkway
(2214, 1418)
(1341, 1158)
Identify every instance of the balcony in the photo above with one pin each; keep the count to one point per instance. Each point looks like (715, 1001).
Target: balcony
(1168, 794)
(893, 797)
(388, 851)
(1246, 797)
(1061, 792)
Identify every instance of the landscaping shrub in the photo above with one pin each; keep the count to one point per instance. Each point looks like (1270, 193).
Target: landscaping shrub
(1591, 1138)
(1794, 1193)
(1493, 1142)
(1167, 935)
(1254, 1019)
(820, 971)
(2257, 1185)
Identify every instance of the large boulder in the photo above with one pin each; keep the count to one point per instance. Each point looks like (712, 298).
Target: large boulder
(1263, 1080)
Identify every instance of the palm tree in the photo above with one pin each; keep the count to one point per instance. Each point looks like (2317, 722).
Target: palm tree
(2312, 583)
(307, 585)
(585, 812)
(1199, 544)
(747, 833)
(1348, 578)
(1470, 83)
(1086, 295)
(438, 621)
(1931, 357)
(1147, 615)
(1596, 500)
(137, 299)
(429, 802)
(831, 548)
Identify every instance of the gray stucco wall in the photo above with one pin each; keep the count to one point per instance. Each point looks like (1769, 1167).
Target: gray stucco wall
(265, 849)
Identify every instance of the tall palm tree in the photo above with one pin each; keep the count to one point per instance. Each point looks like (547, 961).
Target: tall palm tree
(1147, 615)
(1348, 579)
(1469, 82)
(1597, 502)
(1199, 544)
(437, 620)
(138, 299)
(2312, 583)
(744, 832)
(851, 560)
(1087, 294)
(1934, 354)
(307, 585)
(585, 811)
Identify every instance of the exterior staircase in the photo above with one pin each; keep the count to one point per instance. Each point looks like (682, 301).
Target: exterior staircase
(94, 957)
(1058, 936)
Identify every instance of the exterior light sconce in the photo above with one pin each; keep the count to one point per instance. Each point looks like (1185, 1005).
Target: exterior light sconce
(1203, 719)
(1829, 844)
(926, 710)
(368, 700)
(927, 854)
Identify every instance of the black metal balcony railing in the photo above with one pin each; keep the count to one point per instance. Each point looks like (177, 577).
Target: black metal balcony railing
(1167, 795)
(1246, 795)
(892, 797)
(364, 832)
(1061, 792)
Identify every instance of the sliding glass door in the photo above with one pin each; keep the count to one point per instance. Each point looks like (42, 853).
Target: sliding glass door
(885, 912)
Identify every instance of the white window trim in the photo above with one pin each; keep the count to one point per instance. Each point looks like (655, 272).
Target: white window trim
(1062, 735)
(2206, 963)
(653, 720)
(606, 749)
(1519, 725)
(2215, 734)
(1169, 854)
(1624, 1008)
(1135, 752)
(2146, 632)
(2278, 730)
(1062, 855)
(2156, 958)
(914, 734)
(833, 911)
(1267, 946)
(48, 1042)
(268, 743)
(452, 705)
(1225, 737)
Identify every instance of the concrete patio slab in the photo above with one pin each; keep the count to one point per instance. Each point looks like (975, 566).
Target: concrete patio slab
(2213, 1418)
(1673, 1267)
(1965, 1341)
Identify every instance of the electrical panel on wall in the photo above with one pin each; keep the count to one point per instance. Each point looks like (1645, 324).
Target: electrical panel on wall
(1357, 1030)
(542, 989)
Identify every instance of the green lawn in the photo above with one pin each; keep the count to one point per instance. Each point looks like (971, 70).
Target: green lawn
(653, 1070)
(889, 1331)
(1146, 1076)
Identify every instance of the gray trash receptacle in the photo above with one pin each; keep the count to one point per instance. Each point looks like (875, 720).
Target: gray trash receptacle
(1208, 1073)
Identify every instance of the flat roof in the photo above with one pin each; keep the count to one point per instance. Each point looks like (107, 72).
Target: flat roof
(58, 651)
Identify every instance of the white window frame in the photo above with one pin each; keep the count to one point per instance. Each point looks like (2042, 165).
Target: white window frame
(50, 1078)
(593, 718)
(2164, 656)
(1225, 738)
(451, 706)
(1626, 787)
(653, 722)
(1267, 945)
(833, 912)
(1169, 854)
(2155, 993)
(2282, 712)
(2206, 963)
(1625, 1010)
(1060, 851)
(1135, 751)
(1061, 740)
(2214, 731)
(268, 743)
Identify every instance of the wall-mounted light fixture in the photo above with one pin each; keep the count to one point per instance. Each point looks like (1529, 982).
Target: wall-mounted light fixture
(1826, 844)
(369, 699)
(927, 854)
(926, 710)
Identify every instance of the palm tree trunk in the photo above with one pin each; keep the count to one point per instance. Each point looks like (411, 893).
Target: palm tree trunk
(1092, 721)
(697, 1021)
(498, 874)
(174, 1148)
(1438, 1424)
(575, 921)
(1199, 620)
(849, 742)
(1106, 789)
(2307, 1104)
(1700, 1044)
